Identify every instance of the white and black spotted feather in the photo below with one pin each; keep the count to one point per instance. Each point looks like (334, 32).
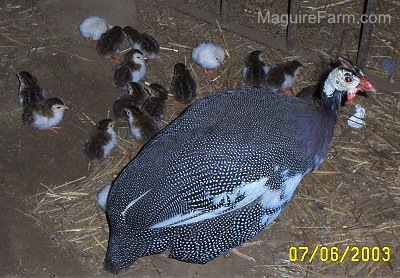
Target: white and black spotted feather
(216, 176)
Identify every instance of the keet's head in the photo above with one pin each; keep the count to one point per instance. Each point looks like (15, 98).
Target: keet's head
(133, 113)
(134, 88)
(138, 56)
(180, 69)
(296, 67)
(220, 55)
(56, 104)
(255, 55)
(156, 90)
(349, 79)
(106, 124)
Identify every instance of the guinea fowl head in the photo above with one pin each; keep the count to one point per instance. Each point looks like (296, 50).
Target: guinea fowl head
(156, 90)
(256, 55)
(346, 79)
(135, 55)
(106, 125)
(134, 113)
(56, 104)
(136, 90)
(180, 69)
(138, 56)
(296, 68)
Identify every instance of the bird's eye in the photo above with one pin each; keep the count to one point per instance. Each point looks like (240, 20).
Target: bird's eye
(348, 79)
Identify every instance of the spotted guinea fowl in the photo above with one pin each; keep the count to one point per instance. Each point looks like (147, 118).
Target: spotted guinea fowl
(221, 172)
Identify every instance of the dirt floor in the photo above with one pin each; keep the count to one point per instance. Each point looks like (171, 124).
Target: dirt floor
(42, 37)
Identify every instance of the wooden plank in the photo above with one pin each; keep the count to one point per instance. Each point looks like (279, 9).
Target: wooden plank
(224, 8)
(233, 27)
(261, 37)
(291, 35)
(365, 36)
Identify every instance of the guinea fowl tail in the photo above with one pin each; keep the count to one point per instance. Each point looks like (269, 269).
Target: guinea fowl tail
(126, 247)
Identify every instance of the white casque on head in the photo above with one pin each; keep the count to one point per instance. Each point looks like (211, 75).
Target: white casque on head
(342, 80)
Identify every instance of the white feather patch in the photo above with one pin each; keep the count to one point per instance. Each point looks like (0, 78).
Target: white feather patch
(289, 81)
(93, 27)
(275, 199)
(208, 55)
(41, 122)
(110, 145)
(244, 71)
(250, 191)
(102, 197)
(123, 213)
(289, 186)
(137, 75)
(356, 120)
(266, 69)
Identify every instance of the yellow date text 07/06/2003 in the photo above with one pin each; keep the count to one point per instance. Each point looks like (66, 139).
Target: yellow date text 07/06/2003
(336, 254)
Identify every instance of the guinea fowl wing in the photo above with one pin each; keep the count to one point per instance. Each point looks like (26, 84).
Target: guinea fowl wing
(214, 161)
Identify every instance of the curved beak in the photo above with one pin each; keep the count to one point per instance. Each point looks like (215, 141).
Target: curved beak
(366, 85)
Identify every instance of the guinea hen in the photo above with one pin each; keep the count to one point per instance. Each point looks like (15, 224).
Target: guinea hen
(221, 172)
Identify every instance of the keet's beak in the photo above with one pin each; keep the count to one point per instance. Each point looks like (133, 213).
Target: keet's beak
(65, 107)
(366, 85)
